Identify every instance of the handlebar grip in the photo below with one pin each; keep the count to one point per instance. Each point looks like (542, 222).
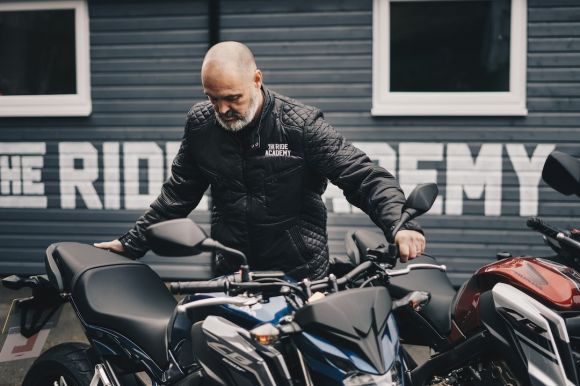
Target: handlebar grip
(356, 271)
(191, 287)
(539, 225)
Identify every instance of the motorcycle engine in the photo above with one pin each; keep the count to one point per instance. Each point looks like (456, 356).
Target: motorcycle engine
(492, 373)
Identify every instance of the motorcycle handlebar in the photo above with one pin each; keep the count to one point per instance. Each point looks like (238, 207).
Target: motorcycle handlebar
(544, 228)
(551, 231)
(191, 287)
(228, 283)
(326, 283)
(355, 272)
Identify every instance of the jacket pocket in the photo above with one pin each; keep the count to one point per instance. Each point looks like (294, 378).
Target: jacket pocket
(298, 245)
(283, 192)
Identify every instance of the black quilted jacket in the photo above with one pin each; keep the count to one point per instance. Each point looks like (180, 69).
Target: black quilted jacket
(266, 183)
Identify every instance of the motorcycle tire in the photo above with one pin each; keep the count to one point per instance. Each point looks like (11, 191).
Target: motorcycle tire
(68, 360)
(71, 362)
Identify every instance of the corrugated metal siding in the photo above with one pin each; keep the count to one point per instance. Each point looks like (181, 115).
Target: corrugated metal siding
(145, 73)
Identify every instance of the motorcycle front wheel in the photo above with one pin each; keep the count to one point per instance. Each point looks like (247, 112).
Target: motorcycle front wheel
(66, 364)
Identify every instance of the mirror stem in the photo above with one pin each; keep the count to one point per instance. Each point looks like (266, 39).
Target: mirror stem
(244, 267)
(245, 271)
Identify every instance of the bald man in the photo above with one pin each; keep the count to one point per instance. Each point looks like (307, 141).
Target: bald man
(267, 159)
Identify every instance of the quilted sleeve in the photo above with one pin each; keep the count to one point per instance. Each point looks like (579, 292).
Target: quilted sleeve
(180, 194)
(365, 185)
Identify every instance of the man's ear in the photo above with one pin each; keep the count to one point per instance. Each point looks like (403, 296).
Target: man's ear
(258, 79)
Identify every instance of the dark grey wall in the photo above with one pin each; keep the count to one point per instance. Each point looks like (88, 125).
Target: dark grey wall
(145, 62)
(145, 59)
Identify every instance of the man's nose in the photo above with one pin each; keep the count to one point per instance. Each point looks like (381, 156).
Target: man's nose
(223, 107)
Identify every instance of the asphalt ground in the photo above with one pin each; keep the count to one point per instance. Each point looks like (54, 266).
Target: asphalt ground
(69, 329)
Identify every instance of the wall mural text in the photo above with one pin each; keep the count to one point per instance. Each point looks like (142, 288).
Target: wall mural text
(129, 175)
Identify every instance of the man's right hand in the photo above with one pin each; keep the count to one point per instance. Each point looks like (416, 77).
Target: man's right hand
(114, 246)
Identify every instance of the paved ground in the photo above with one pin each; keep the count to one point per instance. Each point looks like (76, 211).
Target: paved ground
(69, 329)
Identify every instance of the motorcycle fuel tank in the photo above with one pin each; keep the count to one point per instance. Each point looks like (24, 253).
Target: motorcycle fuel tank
(549, 282)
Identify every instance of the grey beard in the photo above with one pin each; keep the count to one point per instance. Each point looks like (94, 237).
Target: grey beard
(241, 123)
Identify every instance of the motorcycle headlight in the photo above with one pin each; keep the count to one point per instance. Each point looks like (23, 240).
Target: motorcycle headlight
(393, 377)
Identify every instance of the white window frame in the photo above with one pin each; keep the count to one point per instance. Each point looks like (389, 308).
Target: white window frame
(510, 103)
(78, 104)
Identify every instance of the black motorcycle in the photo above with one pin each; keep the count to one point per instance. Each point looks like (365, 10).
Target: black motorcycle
(250, 328)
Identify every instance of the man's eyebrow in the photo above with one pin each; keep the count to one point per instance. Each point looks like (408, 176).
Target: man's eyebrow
(231, 96)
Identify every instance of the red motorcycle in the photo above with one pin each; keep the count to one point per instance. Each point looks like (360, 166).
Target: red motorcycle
(514, 322)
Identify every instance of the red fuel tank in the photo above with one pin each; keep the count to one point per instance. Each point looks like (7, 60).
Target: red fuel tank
(553, 284)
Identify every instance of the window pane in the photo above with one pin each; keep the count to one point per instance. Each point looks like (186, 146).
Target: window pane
(450, 46)
(37, 52)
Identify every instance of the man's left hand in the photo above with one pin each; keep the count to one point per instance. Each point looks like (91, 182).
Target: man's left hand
(411, 244)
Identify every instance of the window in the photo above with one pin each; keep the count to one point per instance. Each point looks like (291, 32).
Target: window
(449, 57)
(44, 59)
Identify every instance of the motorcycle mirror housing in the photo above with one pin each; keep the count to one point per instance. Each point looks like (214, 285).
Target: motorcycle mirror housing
(179, 237)
(562, 172)
(183, 237)
(419, 201)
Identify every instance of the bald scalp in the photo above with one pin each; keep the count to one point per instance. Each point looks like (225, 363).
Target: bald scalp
(229, 58)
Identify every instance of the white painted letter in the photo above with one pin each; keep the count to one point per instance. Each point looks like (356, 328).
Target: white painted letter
(529, 172)
(10, 174)
(21, 175)
(410, 154)
(81, 179)
(112, 180)
(133, 152)
(473, 177)
(31, 174)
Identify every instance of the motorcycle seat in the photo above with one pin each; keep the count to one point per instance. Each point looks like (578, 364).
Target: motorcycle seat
(438, 311)
(113, 292)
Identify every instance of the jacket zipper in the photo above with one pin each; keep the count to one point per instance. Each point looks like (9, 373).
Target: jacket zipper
(248, 200)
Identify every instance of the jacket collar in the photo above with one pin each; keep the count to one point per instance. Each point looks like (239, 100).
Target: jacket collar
(254, 133)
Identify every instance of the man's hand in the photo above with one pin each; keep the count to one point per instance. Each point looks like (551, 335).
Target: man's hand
(411, 244)
(114, 245)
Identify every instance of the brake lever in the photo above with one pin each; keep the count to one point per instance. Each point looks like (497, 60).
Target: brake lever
(411, 267)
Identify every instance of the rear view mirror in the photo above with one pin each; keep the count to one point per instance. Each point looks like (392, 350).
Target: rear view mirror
(183, 237)
(421, 199)
(562, 172)
(179, 237)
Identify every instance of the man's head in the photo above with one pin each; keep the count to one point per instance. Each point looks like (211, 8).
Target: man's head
(232, 83)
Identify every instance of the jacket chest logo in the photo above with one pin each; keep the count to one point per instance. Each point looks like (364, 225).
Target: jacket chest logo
(277, 150)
